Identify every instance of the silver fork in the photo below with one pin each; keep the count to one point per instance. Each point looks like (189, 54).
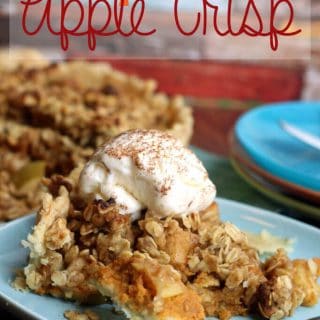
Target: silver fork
(301, 135)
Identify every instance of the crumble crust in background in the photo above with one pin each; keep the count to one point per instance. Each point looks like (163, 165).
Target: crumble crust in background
(59, 113)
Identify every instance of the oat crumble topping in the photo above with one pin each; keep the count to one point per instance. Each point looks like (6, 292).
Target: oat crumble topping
(188, 266)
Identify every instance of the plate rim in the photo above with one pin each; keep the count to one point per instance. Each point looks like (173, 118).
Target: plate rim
(296, 204)
(239, 154)
(273, 166)
(274, 215)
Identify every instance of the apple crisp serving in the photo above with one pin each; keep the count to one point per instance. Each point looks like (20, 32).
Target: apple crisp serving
(53, 116)
(156, 266)
(153, 268)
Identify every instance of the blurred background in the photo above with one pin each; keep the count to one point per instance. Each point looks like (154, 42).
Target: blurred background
(232, 75)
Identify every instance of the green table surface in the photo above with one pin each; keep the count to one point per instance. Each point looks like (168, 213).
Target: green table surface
(231, 186)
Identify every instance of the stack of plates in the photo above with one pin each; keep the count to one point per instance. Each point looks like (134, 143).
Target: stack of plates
(275, 163)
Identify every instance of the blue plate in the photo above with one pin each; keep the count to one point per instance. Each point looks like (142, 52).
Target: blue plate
(260, 134)
(29, 305)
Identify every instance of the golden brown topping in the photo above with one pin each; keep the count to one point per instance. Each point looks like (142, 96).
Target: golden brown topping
(76, 315)
(155, 268)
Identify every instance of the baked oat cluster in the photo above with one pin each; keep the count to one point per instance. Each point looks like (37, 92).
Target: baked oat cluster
(52, 116)
(182, 267)
(75, 315)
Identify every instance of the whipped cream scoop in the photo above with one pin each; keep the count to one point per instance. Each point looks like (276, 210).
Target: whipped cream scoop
(148, 169)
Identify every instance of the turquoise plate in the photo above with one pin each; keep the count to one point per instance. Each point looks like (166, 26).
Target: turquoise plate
(274, 150)
(28, 305)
